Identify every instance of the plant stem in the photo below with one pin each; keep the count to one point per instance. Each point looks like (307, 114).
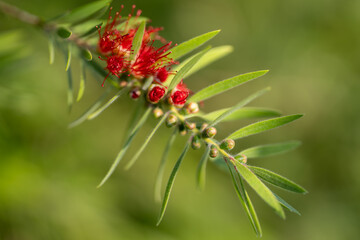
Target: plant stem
(20, 14)
(207, 140)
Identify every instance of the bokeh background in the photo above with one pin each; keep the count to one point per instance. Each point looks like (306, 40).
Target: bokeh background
(48, 173)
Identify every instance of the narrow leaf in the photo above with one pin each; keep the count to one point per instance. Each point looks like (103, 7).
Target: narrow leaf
(238, 106)
(91, 31)
(160, 173)
(242, 113)
(107, 104)
(137, 41)
(63, 32)
(82, 82)
(90, 110)
(260, 188)
(245, 201)
(68, 59)
(171, 183)
(125, 146)
(186, 47)
(225, 85)
(147, 140)
(277, 180)
(181, 73)
(270, 149)
(263, 126)
(211, 56)
(51, 50)
(85, 11)
(286, 205)
(70, 91)
(201, 170)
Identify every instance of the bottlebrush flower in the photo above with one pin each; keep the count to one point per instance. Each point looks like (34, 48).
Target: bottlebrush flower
(150, 60)
(115, 64)
(179, 95)
(161, 74)
(155, 93)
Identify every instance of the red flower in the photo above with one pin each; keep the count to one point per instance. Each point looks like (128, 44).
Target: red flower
(115, 65)
(150, 59)
(156, 93)
(161, 74)
(179, 95)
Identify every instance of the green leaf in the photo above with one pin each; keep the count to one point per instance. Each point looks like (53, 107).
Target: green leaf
(245, 201)
(260, 188)
(160, 173)
(187, 67)
(107, 104)
(211, 56)
(147, 140)
(63, 32)
(82, 82)
(70, 91)
(286, 205)
(270, 149)
(90, 110)
(263, 126)
(86, 54)
(171, 183)
(277, 180)
(201, 170)
(225, 85)
(85, 11)
(68, 59)
(87, 28)
(238, 106)
(51, 50)
(242, 113)
(137, 41)
(186, 47)
(125, 146)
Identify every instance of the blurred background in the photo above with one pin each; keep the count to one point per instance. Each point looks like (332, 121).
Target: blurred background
(48, 173)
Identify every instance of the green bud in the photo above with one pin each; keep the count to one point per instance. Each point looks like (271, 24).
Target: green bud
(171, 120)
(190, 126)
(158, 112)
(192, 107)
(196, 143)
(227, 144)
(213, 151)
(209, 132)
(203, 126)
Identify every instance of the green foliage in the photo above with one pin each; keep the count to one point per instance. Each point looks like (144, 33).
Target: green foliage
(262, 126)
(225, 85)
(190, 45)
(170, 183)
(270, 149)
(76, 30)
(277, 180)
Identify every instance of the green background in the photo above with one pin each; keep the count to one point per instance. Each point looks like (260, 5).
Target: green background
(48, 173)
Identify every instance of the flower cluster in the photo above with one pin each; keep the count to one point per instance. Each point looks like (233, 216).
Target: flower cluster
(115, 47)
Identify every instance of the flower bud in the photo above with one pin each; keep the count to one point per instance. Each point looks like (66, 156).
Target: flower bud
(182, 130)
(171, 120)
(158, 112)
(213, 151)
(209, 132)
(123, 84)
(155, 93)
(179, 95)
(190, 126)
(195, 143)
(227, 144)
(135, 93)
(203, 126)
(192, 107)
